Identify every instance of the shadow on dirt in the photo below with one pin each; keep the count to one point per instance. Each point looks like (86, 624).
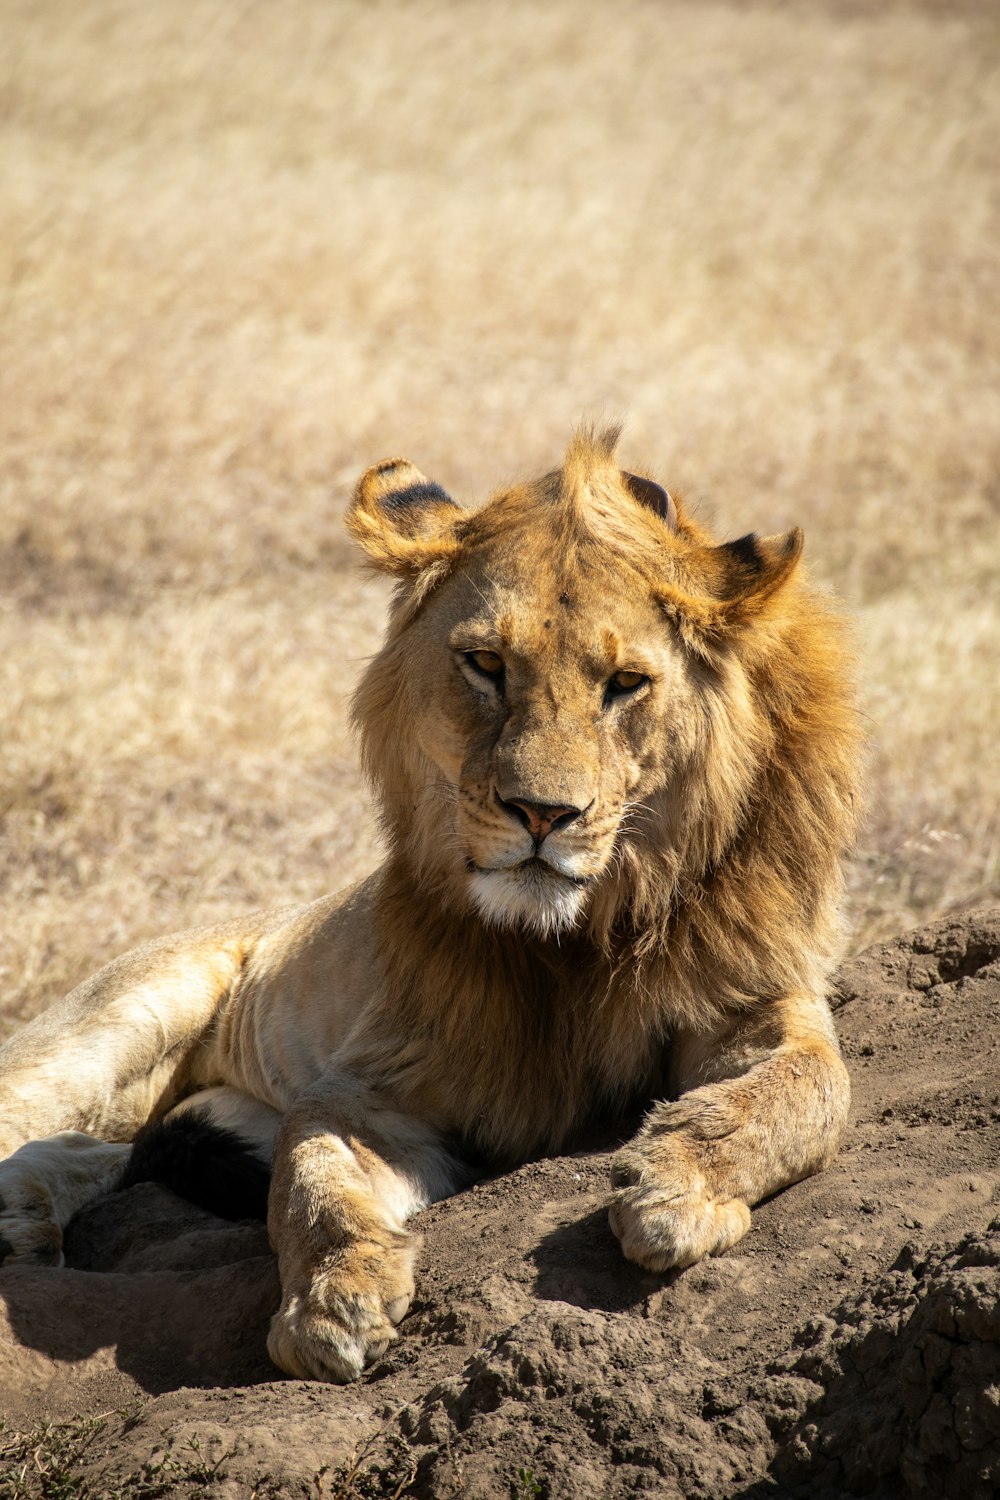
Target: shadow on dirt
(182, 1297)
(582, 1263)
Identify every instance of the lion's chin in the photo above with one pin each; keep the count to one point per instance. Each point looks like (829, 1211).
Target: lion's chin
(530, 897)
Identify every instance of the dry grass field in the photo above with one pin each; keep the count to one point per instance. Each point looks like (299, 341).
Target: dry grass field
(248, 249)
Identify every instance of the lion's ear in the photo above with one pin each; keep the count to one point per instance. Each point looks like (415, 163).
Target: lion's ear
(736, 581)
(744, 574)
(403, 520)
(653, 496)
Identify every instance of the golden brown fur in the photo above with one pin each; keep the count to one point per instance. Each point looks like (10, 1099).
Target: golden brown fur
(616, 767)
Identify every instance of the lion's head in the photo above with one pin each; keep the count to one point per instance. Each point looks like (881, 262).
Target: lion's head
(572, 710)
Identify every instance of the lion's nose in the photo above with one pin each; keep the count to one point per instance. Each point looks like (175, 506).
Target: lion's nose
(539, 818)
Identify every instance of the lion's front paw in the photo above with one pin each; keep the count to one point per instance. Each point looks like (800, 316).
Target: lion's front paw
(667, 1222)
(336, 1329)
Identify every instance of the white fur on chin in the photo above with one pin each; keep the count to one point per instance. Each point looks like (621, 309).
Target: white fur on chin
(527, 897)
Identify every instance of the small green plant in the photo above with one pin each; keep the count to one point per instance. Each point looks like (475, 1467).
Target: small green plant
(527, 1485)
(44, 1464)
(356, 1479)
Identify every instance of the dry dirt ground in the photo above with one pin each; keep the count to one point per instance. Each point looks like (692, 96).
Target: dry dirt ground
(849, 1345)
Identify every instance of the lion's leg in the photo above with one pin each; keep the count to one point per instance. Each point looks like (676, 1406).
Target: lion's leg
(762, 1104)
(349, 1169)
(120, 1048)
(80, 1080)
(43, 1184)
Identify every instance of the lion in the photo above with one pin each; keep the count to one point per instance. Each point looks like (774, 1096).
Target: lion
(616, 767)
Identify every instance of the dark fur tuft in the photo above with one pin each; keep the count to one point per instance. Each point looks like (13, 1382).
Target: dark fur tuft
(746, 552)
(206, 1163)
(424, 493)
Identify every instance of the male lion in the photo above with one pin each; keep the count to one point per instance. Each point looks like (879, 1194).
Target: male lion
(616, 768)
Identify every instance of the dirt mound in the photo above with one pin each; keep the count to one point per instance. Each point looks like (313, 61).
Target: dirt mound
(850, 1344)
(901, 1385)
(601, 1402)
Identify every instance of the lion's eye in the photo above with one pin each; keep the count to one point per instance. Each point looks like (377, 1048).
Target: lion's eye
(486, 663)
(626, 682)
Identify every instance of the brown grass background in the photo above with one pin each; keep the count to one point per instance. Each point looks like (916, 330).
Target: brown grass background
(248, 249)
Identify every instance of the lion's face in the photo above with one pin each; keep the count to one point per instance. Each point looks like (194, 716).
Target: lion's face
(536, 694)
(554, 700)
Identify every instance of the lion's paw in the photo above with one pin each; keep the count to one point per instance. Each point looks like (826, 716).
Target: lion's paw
(332, 1333)
(43, 1184)
(29, 1233)
(666, 1225)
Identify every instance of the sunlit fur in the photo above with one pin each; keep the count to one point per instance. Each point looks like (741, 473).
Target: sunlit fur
(527, 899)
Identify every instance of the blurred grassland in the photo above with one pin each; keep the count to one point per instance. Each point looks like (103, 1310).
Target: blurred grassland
(246, 250)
